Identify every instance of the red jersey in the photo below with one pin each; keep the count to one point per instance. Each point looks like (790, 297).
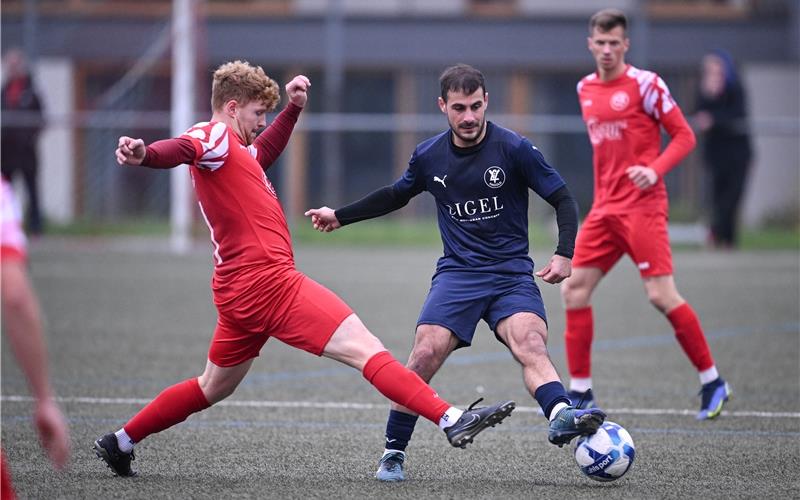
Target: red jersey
(623, 118)
(239, 204)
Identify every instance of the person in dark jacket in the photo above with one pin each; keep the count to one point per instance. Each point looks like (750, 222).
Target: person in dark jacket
(21, 124)
(722, 118)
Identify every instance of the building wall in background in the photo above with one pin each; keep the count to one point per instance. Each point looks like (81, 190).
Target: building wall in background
(773, 191)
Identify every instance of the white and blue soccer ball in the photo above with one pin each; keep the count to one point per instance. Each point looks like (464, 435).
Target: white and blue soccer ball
(607, 454)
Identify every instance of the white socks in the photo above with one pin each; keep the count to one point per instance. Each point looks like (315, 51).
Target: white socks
(709, 375)
(557, 408)
(124, 441)
(450, 417)
(580, 384)
(386, 451)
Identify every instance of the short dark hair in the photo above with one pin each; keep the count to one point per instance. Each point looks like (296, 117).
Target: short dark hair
(608, 19)
(461, 78)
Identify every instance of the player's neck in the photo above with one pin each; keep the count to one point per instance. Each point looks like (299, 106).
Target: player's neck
(613, 73)
(232, 124)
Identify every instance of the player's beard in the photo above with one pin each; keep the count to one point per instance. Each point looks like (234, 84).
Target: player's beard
(470, 141)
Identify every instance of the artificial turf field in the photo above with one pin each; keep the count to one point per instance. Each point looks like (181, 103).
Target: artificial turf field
(125, 319)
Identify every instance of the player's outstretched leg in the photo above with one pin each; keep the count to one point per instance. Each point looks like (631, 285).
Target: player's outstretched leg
(571, 422)
(474, 420)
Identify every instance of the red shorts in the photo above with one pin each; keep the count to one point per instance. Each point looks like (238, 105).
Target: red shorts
(304, 316)
(603, 239)
(13, 244)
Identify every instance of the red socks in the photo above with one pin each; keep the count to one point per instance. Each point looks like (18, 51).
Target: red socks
(403, 386)
(171, 407)
(690, 336)
(578, 342)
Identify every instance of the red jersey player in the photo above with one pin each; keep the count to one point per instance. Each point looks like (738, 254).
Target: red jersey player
(624, 109)
(257, 290)
(22, 325)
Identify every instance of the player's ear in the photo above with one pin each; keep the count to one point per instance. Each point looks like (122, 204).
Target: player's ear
(231, 107)
(442, 105)
(589, 43)
(626, 44)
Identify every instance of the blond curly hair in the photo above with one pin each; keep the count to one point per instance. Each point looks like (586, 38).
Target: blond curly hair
(244, 83)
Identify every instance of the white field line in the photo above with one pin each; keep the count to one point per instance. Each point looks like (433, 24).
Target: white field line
(371, 406)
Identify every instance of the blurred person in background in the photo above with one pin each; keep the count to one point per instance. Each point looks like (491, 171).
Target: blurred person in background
(257, 289)
(722, 118)
(19, 134)
(480, 175)
(624, 109)
(22, 325)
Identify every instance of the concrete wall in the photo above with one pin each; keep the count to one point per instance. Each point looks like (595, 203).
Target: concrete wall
(54, 79)
(774, 185)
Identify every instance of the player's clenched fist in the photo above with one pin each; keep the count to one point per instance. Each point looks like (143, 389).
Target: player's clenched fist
(130, 151)
(297, 90)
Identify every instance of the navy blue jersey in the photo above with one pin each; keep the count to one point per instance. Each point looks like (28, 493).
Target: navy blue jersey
(481, 197)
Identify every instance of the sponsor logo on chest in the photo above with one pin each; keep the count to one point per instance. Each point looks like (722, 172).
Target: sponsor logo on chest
(477, 207)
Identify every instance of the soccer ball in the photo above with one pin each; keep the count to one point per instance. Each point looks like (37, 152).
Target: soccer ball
(607, 454)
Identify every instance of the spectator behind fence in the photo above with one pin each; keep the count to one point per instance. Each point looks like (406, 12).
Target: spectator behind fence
(20, 132)
(722, 118)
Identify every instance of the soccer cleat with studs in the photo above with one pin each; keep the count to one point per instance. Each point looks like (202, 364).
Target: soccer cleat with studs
(571, 422)
(119, 462)
(390, 467)
(474, 420)
(713, 396)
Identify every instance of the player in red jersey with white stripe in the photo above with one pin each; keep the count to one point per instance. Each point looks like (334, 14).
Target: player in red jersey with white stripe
(257, 290)
(624, 109)
(22, 325)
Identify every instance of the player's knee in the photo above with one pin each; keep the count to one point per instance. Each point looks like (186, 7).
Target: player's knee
(574, 294)
(216, 390)
(664, 299)
(530, 344)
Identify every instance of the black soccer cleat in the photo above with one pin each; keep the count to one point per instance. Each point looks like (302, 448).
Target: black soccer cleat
(474, 420)
(106, 448)
(571, 422)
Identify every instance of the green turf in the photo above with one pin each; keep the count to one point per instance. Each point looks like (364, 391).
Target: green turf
(392, 232)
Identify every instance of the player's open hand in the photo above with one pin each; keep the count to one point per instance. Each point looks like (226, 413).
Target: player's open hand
(323, 219)
(53, 432)
(297, 90)
(642, 176)
(130, 151)
(557, 270)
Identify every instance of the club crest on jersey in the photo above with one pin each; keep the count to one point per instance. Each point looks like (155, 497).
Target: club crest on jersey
(494, 177)
(619, 100)
(267, 183)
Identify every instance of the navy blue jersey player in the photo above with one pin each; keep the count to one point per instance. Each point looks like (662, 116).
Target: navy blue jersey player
(480, 175)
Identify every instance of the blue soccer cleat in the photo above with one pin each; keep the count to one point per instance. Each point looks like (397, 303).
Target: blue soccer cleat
(390, 467)
(571, 422)
(714, 395)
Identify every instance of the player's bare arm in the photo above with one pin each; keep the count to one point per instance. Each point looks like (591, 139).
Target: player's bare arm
(130, 151)
(557, 270)
(642, 176)
(297, 90)
(323, 219)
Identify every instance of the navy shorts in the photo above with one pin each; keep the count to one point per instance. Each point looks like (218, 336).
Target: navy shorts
(458, 299)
